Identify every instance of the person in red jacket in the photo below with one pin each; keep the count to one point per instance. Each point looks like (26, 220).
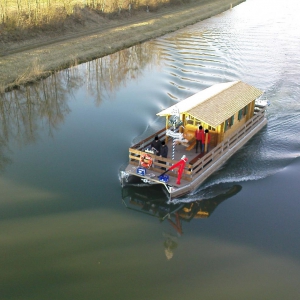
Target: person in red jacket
(199, 134)
(205, 141)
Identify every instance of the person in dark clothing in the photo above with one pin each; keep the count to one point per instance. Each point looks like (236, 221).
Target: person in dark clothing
(156, 144)
(164, 149)
(164, 152)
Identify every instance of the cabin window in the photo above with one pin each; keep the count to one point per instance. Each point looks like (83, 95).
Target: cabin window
(240, 115)
(190, 120)
(228, 123)
(242, 112)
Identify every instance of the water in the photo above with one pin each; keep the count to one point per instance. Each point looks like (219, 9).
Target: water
(65, 232)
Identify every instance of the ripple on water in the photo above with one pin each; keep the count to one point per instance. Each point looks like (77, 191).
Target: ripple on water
(196, 58)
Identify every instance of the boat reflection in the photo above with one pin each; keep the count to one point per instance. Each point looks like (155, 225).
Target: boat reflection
(152, 200)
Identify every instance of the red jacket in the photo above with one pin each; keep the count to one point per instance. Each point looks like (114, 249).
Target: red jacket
(204, 138)
(199, 134)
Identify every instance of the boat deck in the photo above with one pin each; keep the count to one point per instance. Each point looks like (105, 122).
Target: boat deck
(180, 150)
(153, 173)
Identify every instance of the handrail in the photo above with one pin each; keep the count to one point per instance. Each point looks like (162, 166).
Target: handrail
(200, 165)
(226, 145)
(141, 144)
(158, 163)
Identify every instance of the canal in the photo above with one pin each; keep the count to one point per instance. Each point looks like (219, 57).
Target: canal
(68, 230)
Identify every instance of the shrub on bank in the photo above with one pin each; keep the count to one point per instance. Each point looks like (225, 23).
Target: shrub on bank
(31, 16)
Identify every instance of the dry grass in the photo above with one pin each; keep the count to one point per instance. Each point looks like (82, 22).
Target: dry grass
(32, 74)
(24, 14)
(35, 71)
(22, 19)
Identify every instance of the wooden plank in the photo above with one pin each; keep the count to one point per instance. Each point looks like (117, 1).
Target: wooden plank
(191, 146)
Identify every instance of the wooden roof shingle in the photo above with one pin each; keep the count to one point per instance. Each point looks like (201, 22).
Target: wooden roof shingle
(216, 104)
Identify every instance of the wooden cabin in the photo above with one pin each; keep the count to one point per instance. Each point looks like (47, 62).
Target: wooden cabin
(222, 109)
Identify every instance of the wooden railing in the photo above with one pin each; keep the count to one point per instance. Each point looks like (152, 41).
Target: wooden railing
(159, 162)
(199, 166)
(143, 144)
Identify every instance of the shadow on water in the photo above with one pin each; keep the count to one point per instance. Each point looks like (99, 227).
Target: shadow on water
(153, 201)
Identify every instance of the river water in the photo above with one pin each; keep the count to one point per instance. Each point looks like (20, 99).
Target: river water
(68, 230)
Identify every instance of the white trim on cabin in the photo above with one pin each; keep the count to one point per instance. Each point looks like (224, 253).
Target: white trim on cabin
(196, 99)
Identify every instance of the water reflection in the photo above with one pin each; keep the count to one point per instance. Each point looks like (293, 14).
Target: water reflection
(44, 105)
(152, 200)
(106, 75)
(24, 111)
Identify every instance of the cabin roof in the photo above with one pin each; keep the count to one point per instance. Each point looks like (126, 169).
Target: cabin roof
(217, 103)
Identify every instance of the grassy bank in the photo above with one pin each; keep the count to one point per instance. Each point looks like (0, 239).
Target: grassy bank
(18, 17)
(38, 56)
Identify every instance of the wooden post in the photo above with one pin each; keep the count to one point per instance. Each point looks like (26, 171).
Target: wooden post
(206, 140)
(167, 125)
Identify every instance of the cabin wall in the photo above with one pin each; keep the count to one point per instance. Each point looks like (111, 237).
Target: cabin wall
(222, 132)
(251, 110)
(189, 133)
(237, 124)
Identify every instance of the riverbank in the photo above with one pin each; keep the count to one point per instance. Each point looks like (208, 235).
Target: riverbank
(35, 58)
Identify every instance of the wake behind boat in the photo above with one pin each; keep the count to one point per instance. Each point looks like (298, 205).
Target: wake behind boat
(230, 113)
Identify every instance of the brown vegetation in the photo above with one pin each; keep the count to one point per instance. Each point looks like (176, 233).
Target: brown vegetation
(18, 17)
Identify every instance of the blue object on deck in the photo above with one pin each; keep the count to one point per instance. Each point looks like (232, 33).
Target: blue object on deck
(141, 171)
(163, 178)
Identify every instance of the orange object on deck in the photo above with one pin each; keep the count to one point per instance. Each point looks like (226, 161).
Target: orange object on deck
(146, 161)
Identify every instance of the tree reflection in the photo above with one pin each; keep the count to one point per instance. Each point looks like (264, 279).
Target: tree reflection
(107, 74)
(28, 109)
(152, 200)
(24, 111)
